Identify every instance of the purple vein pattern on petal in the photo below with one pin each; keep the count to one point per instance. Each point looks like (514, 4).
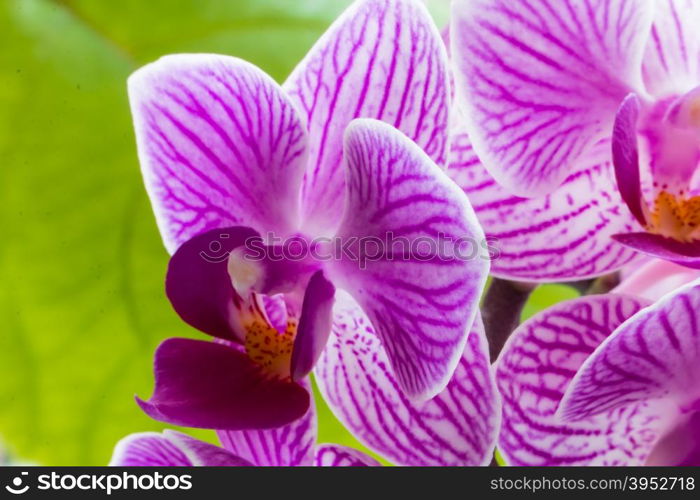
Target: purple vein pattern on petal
(288, 446)
(148, 449)
(335, 455)
(653, 355)
(421, 301)
(672, 58)
(457, 427)
(561, 236)
(541, 80)
(535, 368)
(381, 59)
(170, 449)
(219, 144)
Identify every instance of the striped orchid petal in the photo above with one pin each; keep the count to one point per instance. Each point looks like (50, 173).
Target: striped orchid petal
(334, 455)
(541, 81)
(672, 58)
(288, 446)
(220, 145)
(656, 354)
(457, 427)
(561, 236)
(170, 449)
(381, 59)
(534, 370)
(421, 290)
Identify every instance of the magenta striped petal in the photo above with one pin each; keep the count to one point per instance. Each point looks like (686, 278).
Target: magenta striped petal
(381, 59)
(220, 145)
(672, 58)
(561, 236)
(287, 446)
(170, 449)
(421, 290)
(334, 455)
(457, 427)
(534, 370)
(541, 81)
(655, 354)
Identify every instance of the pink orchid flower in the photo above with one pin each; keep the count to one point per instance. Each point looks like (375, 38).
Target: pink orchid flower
(229, 157)
(607, 379)
(583, 115)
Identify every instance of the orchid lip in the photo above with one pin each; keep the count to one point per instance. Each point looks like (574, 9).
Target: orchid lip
(670, 131)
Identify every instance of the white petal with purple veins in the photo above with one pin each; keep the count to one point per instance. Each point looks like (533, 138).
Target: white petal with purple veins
(418, 268)
(457, 427)
(541, 80)
(672, 57)
(381, 59)
(170, 449)
(334, 455)
(535, 368)
(561, 236)
(220, 145)
(655, 354)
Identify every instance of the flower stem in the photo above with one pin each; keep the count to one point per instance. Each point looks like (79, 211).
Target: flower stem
(501, 309)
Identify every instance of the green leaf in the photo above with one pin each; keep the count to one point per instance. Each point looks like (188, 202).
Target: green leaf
(545, 296)
(81, 262)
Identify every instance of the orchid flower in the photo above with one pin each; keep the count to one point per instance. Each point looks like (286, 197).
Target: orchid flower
(232, 161)
(583, 117)
(291, 445)
(607, 379)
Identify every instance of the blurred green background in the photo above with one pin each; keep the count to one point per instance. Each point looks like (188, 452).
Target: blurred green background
(81, 262)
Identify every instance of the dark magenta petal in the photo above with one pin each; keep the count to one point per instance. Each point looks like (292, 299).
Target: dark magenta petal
(214, 386)
(626, 156)
(685, 254)
(314, 325)
(198, 284)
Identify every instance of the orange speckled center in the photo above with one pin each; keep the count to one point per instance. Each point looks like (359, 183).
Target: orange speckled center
(676, 217)
(269, 348)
